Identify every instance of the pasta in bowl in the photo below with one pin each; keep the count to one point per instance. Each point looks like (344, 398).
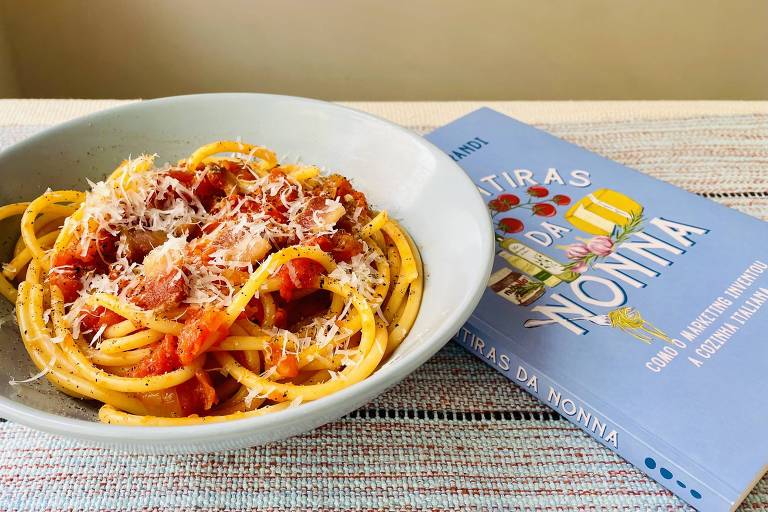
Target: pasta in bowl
(224, 287)
(129, 295)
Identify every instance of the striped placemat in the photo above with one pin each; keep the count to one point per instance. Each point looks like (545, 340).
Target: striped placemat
(454, 435)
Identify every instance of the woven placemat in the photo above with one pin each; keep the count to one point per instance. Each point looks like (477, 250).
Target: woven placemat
(454, 435)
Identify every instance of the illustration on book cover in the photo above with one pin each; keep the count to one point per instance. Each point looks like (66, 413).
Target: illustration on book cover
(603, 227)
(606, 281)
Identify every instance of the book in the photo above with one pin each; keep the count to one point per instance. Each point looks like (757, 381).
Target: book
(633, 308)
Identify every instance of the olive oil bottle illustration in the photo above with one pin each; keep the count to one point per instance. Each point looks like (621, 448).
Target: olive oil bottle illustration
(516, 287)
(530, 261)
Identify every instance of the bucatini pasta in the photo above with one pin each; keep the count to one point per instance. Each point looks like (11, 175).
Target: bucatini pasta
(223, 287)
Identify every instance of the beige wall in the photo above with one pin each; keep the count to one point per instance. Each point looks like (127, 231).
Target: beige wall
(398, 49)
(8, 83)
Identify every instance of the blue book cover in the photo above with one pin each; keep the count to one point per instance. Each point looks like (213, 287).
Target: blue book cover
(633, 308)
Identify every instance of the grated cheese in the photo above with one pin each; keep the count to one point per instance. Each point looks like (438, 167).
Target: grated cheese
(42, 373)
(360, 275)
(165, 257)
(237, 234)
(98, 334)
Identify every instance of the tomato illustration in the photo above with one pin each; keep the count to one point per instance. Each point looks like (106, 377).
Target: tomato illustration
(510, 225)
(496, 206)
(504, 202)
(510, 199)
(544, 210)
(537, 191)
(561, 199)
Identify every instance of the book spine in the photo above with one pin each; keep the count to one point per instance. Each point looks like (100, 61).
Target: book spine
(650, 461)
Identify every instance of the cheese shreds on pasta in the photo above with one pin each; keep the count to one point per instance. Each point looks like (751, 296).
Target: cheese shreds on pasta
(221, 287)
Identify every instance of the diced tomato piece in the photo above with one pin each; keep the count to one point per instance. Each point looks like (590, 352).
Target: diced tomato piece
(72, 255)
(356, 199)
(194, 396)
(163, 358)
(64, 258)
(307, 217)
(211, 227)
(298, 274)
(238, 170)
(342, 245)
(275, 212)
(197, 394)
(94, 319)
(287, 365)
(345, 246)
(286, 191)
(245, 204)
(211, 187)
(323, 242)
(276, 173)
(68, 281)
(248, 204)
(202, 330)
(186, 178)
(254, 311)
(69, 264)
(212, 183)
(164, 199)
(160, 292)
(337, 186)
(110, 318)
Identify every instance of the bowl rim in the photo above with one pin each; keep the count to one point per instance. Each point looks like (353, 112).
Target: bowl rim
(375, 384)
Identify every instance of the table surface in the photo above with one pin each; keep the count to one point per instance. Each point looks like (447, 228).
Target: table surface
(455, 434)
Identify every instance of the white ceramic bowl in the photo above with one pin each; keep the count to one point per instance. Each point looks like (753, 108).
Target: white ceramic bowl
(398, 171)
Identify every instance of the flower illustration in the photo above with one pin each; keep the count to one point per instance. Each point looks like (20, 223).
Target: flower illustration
(587, 252)
(576, 251)
(600, 245)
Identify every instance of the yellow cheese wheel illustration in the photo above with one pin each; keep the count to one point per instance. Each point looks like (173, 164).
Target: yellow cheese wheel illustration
(601, 211)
